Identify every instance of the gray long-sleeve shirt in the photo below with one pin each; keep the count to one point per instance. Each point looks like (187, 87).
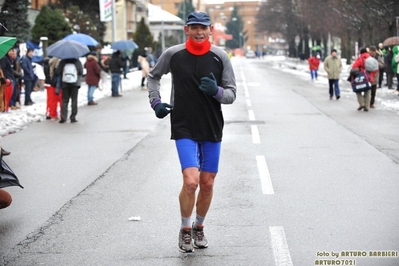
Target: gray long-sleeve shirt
(195, 115)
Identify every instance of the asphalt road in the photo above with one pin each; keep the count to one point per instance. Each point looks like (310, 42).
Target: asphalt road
(302, 179)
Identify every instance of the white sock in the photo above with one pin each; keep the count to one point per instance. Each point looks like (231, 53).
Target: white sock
(199, 220)
(185, 222)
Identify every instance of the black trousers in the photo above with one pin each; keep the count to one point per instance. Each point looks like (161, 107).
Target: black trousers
(70, 92)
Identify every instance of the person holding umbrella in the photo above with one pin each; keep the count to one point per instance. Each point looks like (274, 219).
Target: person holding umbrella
(70, 70)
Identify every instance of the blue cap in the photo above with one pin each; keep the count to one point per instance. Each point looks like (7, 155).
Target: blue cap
(198, 18)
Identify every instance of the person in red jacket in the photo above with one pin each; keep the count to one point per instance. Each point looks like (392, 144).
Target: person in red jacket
(363, 97)
(93, 76)
(314, 63)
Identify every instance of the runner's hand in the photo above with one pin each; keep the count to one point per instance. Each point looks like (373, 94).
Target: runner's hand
(162, 109)
(208, 85)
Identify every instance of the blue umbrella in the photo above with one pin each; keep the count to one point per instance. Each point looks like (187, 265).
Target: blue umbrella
(82, 38)
(65, 49)
(124, 45)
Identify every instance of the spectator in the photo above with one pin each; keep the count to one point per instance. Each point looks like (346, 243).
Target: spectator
(29, 76)
(145, 69)
(103, 62)
(6, 63)
(378, 57)
(333, 67)
(388, 68)
(381, 52)
(2, 91)
(70, 87)
(16, 67)
(53, 99)
(363, 98)
(395, 62)
(314, 63)
(126, 64)
(92, 76)
(116, 66)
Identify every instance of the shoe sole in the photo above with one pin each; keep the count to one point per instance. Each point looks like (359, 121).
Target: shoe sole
(185, 251)
(200, 247)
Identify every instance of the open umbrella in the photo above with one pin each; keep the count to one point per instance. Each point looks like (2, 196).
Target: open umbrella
(7, 176)
(315, 48)
(6, 43)
(124, 45)
(82, 38)
(391, 41)
(65, 49)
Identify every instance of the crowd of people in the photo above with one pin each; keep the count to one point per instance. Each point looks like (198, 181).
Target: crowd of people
(20, 74)
(387, 59)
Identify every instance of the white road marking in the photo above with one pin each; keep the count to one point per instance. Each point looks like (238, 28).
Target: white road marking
(251, 115)
(264, 175)
(255, 134)
(281, 252)
(249, 104)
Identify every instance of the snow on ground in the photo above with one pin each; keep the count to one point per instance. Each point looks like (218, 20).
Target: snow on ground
(16, 120)
(385, 98)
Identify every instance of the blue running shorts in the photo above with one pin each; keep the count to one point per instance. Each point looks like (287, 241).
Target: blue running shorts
(201, 154)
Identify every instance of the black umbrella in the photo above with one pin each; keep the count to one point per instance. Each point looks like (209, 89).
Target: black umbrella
(7, 176)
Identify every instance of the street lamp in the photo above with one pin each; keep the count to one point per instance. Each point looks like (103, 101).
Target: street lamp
(44, 41)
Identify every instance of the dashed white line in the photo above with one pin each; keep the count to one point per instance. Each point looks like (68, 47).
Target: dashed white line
(251, 115)
(264, 175)
(281, 252)
(255, 134)
(249, 104)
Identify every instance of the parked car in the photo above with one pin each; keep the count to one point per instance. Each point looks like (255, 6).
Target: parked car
(250, 54)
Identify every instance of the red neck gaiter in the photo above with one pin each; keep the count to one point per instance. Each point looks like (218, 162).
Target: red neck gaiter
(198, 48)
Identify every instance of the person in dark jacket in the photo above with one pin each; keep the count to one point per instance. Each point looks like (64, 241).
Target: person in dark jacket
(388, 68)
(115, 67)
(7, 64)
(69, 90)
(16, 66)
(29, 76)
(93, 75)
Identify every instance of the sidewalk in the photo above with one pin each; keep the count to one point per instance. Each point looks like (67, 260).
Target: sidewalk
(16, 120)
(385, 98)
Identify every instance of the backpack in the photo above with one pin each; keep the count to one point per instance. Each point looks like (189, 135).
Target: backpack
(70, 73)
(46, 70)
(371, 64)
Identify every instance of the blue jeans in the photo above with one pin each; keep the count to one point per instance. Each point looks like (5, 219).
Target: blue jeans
(14, 95)
(313, 74)
(116, 79)
(90, 92)
(333, 84)
(28, 90)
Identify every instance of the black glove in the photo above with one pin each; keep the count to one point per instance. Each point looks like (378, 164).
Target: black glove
(2, 81)
(208, 85)
(162, 109)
